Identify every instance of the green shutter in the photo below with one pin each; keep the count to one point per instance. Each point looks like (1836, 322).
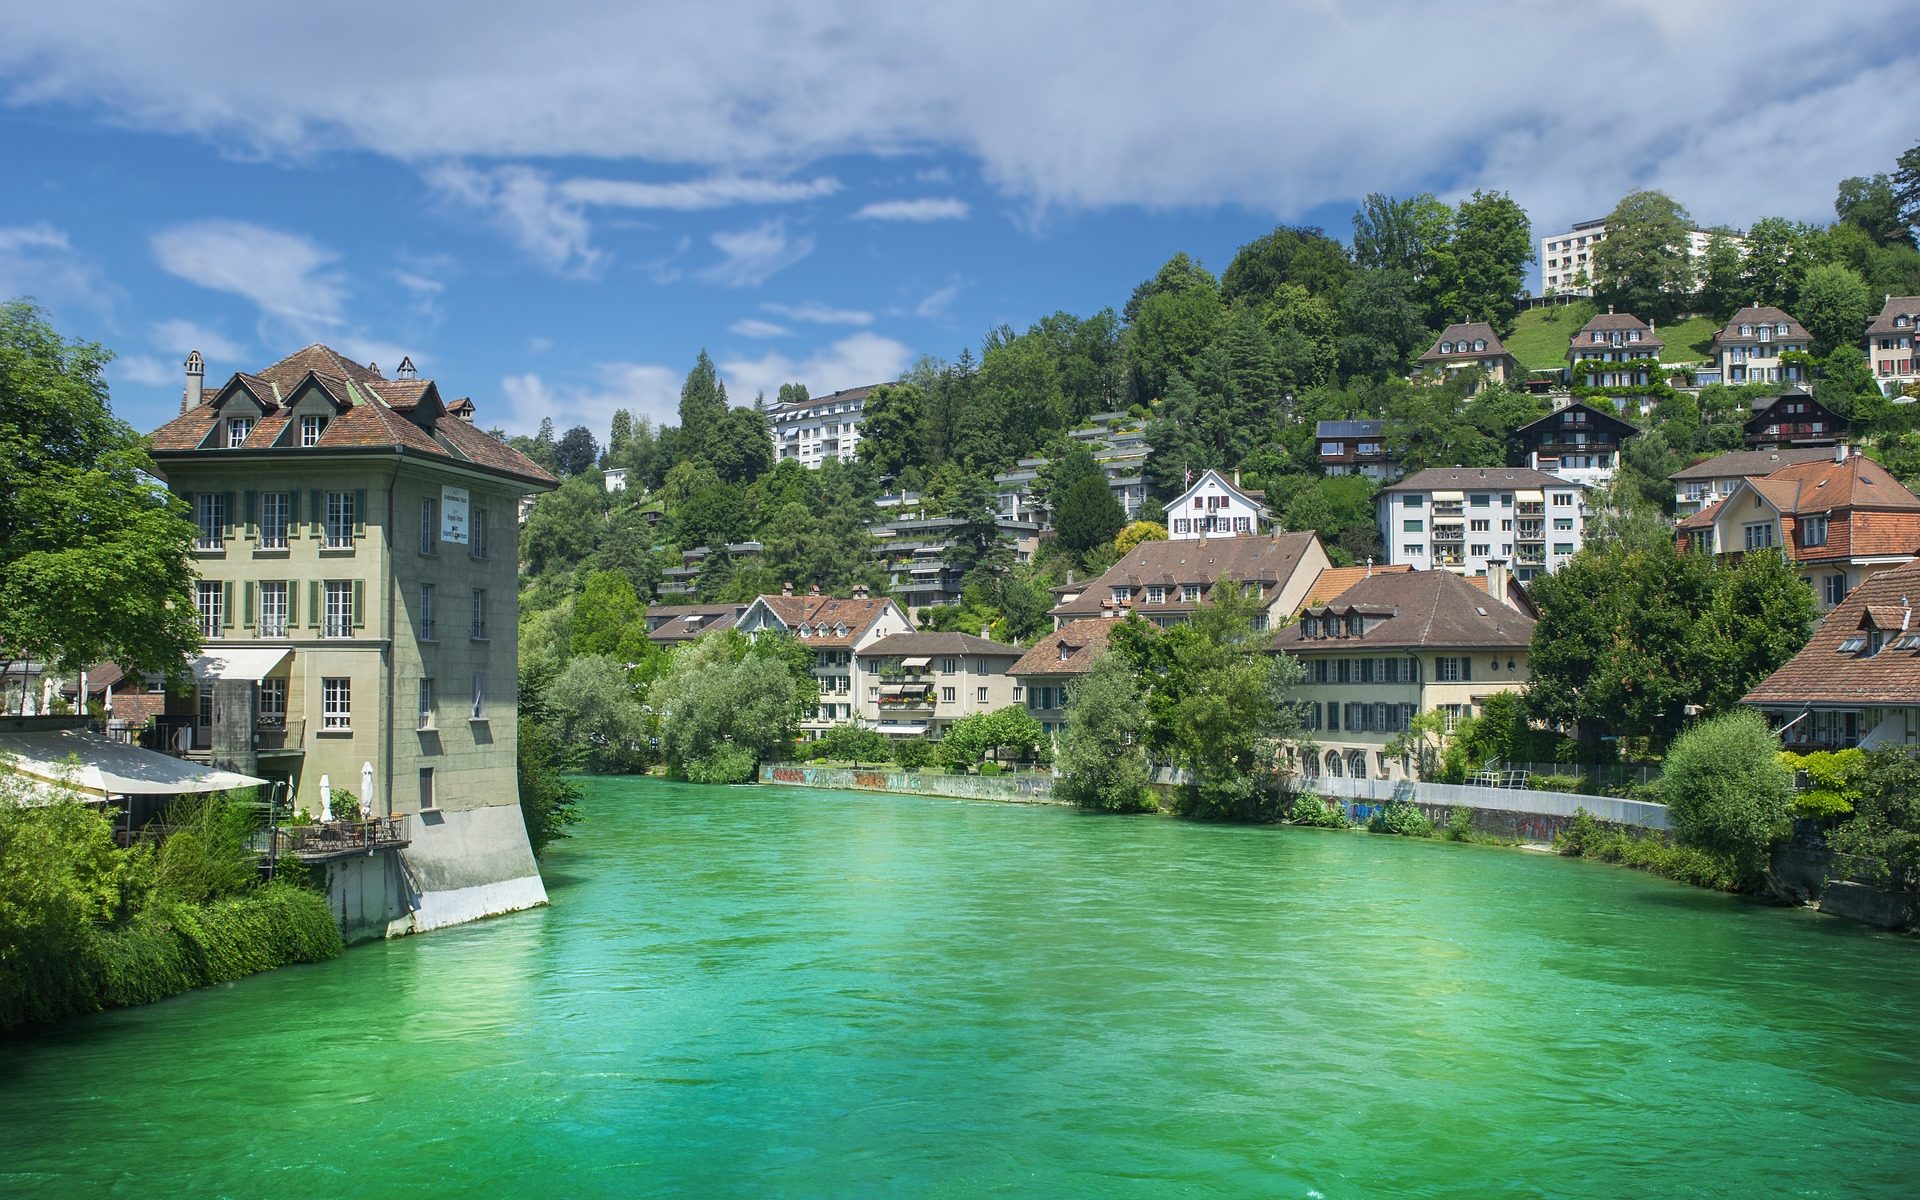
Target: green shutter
(246, 605)
(360, 512)
(1466, 668)
(293, 531)
(314, 607)
(232, 515)
(226, 604)
(293, 603)
(319, 515)
(359, 603)
(253, 526)
(192, 511)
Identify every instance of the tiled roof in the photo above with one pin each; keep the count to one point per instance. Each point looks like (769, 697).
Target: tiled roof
(1627, 428)
(1823, 486)
(1468, 333)
(1896, 306)
(1456, 479)
(1268, 561)
(1069, 650)
(1759, 315)
(1333, 582)
(673, 623)
(369, 413)
(1740, 463)
(815, 611)
(938, 643)
(1611, 322)
(1822, 675)
(1426, 609)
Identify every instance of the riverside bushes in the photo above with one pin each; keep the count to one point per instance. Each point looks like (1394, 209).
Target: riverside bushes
(85, 925)
(1401, 818)
(1648, 851)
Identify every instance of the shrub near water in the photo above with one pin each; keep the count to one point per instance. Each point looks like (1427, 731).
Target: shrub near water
(1647, 851)
(1400, 817)
(1726, 790)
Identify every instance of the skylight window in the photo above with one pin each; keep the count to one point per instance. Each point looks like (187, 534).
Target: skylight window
(1908, 641)
(1852, 645)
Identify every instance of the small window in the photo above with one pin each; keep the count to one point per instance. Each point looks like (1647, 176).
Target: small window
(426, 612)
(1852, 645)
(479, 614)
(273, 520)
(948, 695)
(273, 609)
(980, 695)
(1190, 592)
(336, 703)
(338, 613)
(210, 513)
(273, 704)
(426, 704)
(949, 666)
(426, 790)
(429, 524)
(340, 519)
(310, 430)
(210, 600)
(479, 696)
(1414, 500)
(1156, 594)
(238, 429)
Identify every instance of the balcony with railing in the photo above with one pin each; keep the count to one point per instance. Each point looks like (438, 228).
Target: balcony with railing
(341, 839)
(1531, 508)
(1530, 531)
(1445, 509)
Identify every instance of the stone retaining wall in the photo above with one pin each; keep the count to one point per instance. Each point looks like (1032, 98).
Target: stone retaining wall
(1520, 813)
(1010, 789)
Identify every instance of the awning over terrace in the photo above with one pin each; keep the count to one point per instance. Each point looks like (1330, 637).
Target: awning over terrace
(251, 663)
(97, 767)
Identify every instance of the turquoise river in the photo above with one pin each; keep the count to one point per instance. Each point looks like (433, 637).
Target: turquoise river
(784, 993)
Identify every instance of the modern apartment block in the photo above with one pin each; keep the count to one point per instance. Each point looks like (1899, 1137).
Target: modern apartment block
(1566, 259)
(1471, 346)
(1890, 348)
(1356, 448)
(358, 596)
(919, 684)
(1624, 351)
(918, 553)
(836, 630)
(1391, 647)
(1119, 445)
(1459, 518)
(823, 427)
(1748, 348)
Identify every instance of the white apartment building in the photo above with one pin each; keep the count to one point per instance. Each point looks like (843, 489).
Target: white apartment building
(812, 431)
(1457, 518)
(1213, 506)
(1566, 259)
(1890, 345)
(919, 684)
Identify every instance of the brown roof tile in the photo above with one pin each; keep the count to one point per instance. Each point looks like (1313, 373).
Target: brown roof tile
(1896, 306)
(1749, 462)
(1200, 561)
(1759, 315)
(1423, 609)
(1468, 333)
(1068, 650)
(830, 611)
(938, 643)
(1463, 479)
(1821, 675)
(1333, 582)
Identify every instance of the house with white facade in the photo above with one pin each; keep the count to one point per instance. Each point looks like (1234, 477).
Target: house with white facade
(1458, 518)
(836, 630)
(1890, 349)
(919, 684)
(814, 430)
(1748, 347)
(1214, 506)
(1614, 350)
(1707, 483)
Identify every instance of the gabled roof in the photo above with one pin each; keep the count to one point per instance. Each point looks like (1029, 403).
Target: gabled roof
(1266, 560)
(1457, 479)
(1333, 582)
(1468, 332)
(368, 413)
(1897, 306)
(1602, 416)
(1738, 463)
(939, 643)
(1613, 322)
(1069, 650)
(1758, 314)
(1421, 609)
(1762, 405)
(1822, 675)
(1817, 487)
(671, 624)
(1252, 498)
(844, 620)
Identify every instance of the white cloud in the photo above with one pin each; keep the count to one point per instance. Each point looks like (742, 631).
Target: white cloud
(933, 175)
(147, 370)
(923, 210)
(749, 257)
(178, 337)
(937, 302)
(752, 327)
(39, 261)
(648, 390)
(286, 276)
(690, 195)
(1079, 111)
(815, 313)
(853, 361)
(522, 202)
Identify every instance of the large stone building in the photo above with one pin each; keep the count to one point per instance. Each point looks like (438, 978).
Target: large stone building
(1459, 519)
(1614, 350)
(1043, 675)
(358, 594)
(1391, 647)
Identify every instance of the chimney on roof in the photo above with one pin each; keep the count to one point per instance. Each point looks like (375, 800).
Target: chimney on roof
(859, 591)
(373, 369)
(786, 589)
(1609, 310)
(1497, 580)
(406, 367)
(1840, 452)
(986, 633)
(196, 380)
(1369, 566)
(814, 590)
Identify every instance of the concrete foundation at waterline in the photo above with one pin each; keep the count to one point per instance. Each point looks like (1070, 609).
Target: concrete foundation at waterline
(458, 866)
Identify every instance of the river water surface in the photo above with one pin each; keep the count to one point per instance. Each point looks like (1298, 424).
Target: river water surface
(779, 992)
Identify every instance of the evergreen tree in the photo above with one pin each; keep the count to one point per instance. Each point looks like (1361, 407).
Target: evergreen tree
(703, 405)
(1088, 516)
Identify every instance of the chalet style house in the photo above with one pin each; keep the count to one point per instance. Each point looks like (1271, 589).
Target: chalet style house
(919, 684)
(836, 630)
(1471, 346)
(1166, 581)
(1793, 421)
(1748, 348)
(1707, 483)
(1579, 443)
(1391, 647)
(1857, 683)
(1355, 448)
(1890, 348)
(1213, 507)
(1460, 519)
(1839, 521)
(358, 597)
(1624, 352)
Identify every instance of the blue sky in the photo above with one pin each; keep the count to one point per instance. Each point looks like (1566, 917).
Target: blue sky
(554, 207)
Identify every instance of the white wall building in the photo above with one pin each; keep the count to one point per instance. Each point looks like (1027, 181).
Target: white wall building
(1566, 259)
(1457, 518)
(812, 431)
(1890, 348)
(1213, 506)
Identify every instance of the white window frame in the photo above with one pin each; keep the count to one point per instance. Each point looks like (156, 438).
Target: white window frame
(311, 427)
(338, 526)
(336, 703)
(209, 601)
(479, 711)
(239, 429)
(276, 511)
(210, 513)
(426, 710)
(273, 608)
(272, 706)
(336, 611)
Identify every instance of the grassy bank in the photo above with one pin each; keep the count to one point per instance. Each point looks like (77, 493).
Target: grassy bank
(1540, 336)
(1647, 851)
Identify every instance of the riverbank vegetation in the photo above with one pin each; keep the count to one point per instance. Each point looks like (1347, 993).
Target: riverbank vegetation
(87, 925)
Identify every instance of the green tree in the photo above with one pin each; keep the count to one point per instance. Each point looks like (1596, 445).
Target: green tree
(893, 429)
(95, 558)
(1480, 271)
(1644, 265)
(1868, 203)
(1171, 330)
(739, 446)
(575, 452)
(1726, 789)
(549, 801)
(721, 715)
(1722, 290)
(844, 743)
(703, 404)
(1885, 828)
(792, 393)
(1834, 305)
(1906, 187)
(1758, 617)
(1401, 234)
(1303, 256)
(609, 619)
(1102, 760)
(1777, 258)
(1089, 516)
(598, 716)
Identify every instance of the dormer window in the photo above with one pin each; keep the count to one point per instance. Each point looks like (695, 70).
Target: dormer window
(1446, 347)
(1066, 652)
(1598, 337)
(804, 631)
(1902, 322)
(310, 430)
(237, 430)
(1119, 595)
(1633, 336)
(1780, 329)
(1852, 645)
(1355, 625)
(1310, 627)
(1479, 343)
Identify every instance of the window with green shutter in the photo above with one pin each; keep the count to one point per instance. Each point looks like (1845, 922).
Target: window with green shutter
(359, 603)
(226, 604)
(314, 609)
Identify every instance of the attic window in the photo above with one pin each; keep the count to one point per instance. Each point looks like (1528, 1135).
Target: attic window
(804, 632)
(1852, 645)
(1310, 627)
(1479, 343)
(1066, 652)
(840, 629)
(1446, 347)
(1907, 641)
